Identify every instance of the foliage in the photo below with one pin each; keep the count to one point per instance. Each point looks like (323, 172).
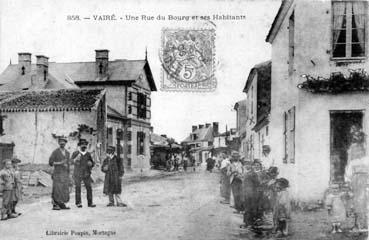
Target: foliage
(358, 80)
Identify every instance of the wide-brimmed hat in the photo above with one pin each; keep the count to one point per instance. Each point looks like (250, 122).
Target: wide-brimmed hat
(110, 149)
(284, 183)
(62, 139)
(16, 160)
(82, 142)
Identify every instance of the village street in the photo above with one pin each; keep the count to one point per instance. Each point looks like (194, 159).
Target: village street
(178, 206)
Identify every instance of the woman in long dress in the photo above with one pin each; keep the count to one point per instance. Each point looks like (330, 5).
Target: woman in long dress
(356, 174)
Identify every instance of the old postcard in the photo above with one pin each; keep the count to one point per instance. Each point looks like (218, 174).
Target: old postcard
(184, 119)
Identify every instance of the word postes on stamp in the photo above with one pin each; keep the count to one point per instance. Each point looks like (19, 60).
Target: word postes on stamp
(187, 58)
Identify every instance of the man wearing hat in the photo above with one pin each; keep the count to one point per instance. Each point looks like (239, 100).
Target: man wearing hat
(18, 188)
(114, 170)
(7, 190)
(83, 164)
(60, 160)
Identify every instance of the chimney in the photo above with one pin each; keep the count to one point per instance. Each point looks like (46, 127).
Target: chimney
(201, 126)
(102, 61)
(207, 125)
(194, 128)
(215, 128)
(42, 65)
(24, 62)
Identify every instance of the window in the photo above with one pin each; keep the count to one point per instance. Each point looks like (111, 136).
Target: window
(194, 137)
(140, 143)
(129, 136)
(141, 105)
(130, 96)
(129, 149)
(289, 136)
(129, 109)
(291, 43)
(109, 136)
(2, 125)
(100, 68)
(23, 70)
(348, 36)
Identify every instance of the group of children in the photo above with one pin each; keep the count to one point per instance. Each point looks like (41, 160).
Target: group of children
(257, 192)
(10, 188)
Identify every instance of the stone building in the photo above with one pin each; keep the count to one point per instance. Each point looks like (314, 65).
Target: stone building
(325, 42)
(201, 140)
(33, 121)
(257, 89)
(241, 118)
(128, 85)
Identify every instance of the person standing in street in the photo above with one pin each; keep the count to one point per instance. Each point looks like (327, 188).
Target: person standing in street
(113, 168)
(17, 185)
(60, 160)
(235, 173)
(83, 164)
(7, 189)
(225, 185)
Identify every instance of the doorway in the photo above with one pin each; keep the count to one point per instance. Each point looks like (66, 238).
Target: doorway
(341, 123)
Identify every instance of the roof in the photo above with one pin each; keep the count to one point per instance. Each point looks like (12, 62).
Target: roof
(160, 141)
(113, 113)
(50, 100)
(203, 134)
(262, 69)
(69, 74)
(285, 4)
(14, 81)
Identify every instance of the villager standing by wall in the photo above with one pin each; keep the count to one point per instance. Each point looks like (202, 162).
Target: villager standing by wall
(7, 189)
(83, 164)
(225, 184)
(356, 173)
(235, 173)
(282, 208)
(113, 168)
(18, 188)
(60, 160)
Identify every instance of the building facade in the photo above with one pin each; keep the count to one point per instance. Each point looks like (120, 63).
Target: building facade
(128, 85)
(34, 120)
(319, 52)
(258, 100)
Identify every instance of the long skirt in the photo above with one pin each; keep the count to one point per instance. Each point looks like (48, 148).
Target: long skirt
(225, 186)
(359, 181)
(60, 191)
(237, 194)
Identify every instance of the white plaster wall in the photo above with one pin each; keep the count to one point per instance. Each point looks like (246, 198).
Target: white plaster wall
(32, 132)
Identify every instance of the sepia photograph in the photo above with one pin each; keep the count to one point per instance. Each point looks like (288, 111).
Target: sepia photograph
(184, 119)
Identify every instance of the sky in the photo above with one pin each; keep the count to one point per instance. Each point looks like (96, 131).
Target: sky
(42, 27)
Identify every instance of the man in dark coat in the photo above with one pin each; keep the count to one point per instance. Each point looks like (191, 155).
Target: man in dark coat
(114, 170)
(60, 160)
(83, 164)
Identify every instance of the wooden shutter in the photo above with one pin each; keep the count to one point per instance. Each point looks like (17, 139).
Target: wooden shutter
(285, 140)
(292, 135)
(138, 142)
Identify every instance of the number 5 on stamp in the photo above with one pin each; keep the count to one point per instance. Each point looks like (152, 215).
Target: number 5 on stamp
(187, 57)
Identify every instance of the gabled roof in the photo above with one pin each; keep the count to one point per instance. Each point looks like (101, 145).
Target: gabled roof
(13, 81)
(282, 11)
(51, 100)
(262, 69)
(113, 113)
(203, 134)
(70, 74)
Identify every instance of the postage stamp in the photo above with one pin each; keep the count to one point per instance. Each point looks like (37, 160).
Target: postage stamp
(188, 60)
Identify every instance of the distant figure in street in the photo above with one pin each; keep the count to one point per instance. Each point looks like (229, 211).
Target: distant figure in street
(210, 163)
(185, 163)
(225, 184)
(193, 162)
(60, 160)
(176, 163)
(18, 188)
(113, 168)
(282, 208)
(83, 164)
(235, 172)
(7, 183)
